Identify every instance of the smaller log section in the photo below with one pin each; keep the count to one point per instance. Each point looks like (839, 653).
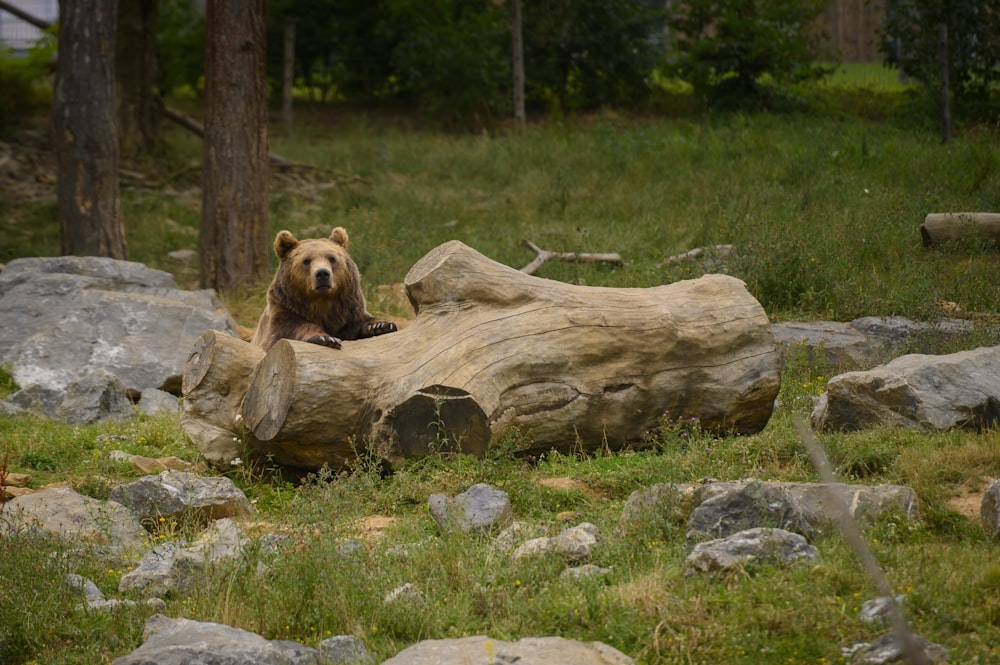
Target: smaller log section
(493, 350)
(942, 227)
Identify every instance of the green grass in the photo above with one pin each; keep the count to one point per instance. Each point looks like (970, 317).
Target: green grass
(824, 210)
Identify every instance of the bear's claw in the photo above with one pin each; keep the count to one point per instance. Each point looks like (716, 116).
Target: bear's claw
(325, 340)
(379, 328)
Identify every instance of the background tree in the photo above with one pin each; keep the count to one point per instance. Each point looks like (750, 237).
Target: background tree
(235, 233)
(584, 54)
(84, 133)
(135, 68)
(725, 47)
(910, 42)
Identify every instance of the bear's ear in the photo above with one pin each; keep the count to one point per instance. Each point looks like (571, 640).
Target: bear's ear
(339, 236)
(284, 243)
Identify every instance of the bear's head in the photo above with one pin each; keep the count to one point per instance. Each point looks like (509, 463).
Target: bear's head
(319, 268)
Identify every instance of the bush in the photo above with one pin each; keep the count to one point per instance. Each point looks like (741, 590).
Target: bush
(726, 48)
(25, 83)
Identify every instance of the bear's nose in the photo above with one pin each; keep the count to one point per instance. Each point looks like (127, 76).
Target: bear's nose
(323, 275)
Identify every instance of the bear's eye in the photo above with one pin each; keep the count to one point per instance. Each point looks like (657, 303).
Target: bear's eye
(332, 259)
(307, 261)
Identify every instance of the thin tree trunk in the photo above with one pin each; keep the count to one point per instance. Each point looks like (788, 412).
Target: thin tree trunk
(288, 77)
(84, 132)
(517, 41)
(945, 84)
(235, 234)
(135, 65)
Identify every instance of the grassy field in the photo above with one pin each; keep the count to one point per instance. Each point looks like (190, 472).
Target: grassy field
(823, 210)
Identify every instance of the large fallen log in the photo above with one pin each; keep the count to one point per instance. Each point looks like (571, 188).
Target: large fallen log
(494, 351)
(941, 227)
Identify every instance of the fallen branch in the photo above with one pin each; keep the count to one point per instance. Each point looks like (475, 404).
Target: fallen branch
(578, 257)
(195, 127)
(717, 251)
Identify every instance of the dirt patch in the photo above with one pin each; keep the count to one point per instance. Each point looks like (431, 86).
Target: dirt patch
(968, 505)
(372, 528)
(566, 483)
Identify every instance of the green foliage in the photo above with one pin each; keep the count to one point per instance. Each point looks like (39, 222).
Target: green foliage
(911, 42)
(180, 48)
(452, 57)
(25, 82)
(587, 54)
(726, 48)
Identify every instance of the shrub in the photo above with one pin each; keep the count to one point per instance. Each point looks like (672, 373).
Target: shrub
(725, 48)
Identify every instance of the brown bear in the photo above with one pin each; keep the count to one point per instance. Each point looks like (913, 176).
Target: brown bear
(316, 295)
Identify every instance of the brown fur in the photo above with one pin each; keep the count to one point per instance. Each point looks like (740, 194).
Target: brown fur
(316, 295)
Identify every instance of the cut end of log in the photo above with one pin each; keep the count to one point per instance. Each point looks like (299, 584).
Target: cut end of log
(438, 419)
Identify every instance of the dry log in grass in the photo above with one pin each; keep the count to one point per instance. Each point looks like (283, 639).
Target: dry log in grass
(941, 227)
(716, 251)
(493, 350)
(542, 255)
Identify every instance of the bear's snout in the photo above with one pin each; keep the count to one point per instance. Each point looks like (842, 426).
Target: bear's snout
(322, 277)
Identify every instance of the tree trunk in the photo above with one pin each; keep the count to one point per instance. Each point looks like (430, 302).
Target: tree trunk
(84, 136)
(135, 67)
(517, 65)
(235, 234)
(288, 76)
(495, 352)
(940, 227)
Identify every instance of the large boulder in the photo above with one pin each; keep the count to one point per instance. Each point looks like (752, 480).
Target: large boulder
(63, 316)
(526, 651)
(864, 341)
(168, 641)
(68, 514)
(958, 390)
(172, 493)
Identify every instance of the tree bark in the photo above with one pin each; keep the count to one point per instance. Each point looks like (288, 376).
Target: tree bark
(494, 351)
(235, 233)
(941, 227)
(517, 64)
(84, 134)
(288, 77)
(135, 67)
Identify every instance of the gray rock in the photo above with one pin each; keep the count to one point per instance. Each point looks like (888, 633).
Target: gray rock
(880, 610)
(864, 503)
(345, 650)
(585, 571)
(64, 316)
(746, 505)
(864, 341)
(175, 492)
(958, 390)
(575, 544)
(169, 641)
(989, 508)
(83, 586)
(888, 649)
(155, 401)
(515, 533)
(98, 395)
(478, 508)
(63, 512)
(526, 651)
(760, 544)
(170, 567)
